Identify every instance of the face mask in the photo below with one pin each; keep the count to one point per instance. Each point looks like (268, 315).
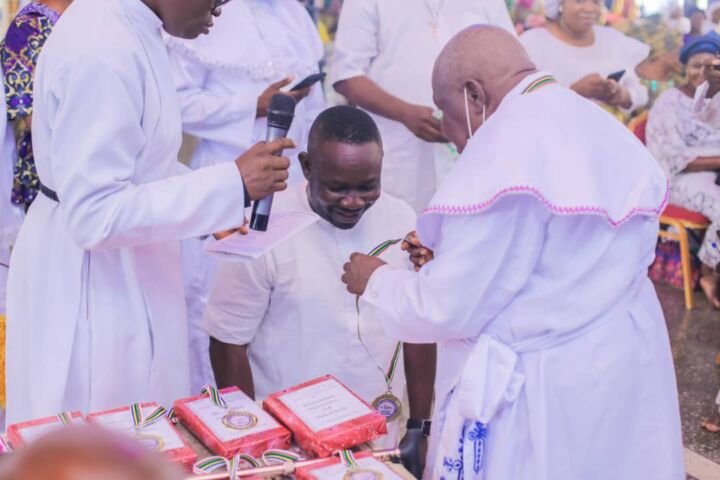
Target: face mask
(467, 114)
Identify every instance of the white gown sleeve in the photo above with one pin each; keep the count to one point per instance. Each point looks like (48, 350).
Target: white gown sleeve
(481, 262)
(356, 42)
(98, 138)
(664, 136)
(228, 119)
(238, 301)
(638, 92)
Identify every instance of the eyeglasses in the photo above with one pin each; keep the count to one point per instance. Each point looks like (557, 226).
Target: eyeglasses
(219, 3)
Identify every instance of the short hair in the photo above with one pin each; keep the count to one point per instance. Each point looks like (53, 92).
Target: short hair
(344, 124)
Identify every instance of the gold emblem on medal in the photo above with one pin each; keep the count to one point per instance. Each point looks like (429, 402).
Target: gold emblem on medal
(240, 420)
(151, 442)
(388, 405)
(362, 474)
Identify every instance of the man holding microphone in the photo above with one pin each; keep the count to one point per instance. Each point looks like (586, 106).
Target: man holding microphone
(96, 317)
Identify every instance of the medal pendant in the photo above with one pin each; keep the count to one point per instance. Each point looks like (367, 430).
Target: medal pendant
(388, 405)
(239, 420)
(355, 473)
(150, 442)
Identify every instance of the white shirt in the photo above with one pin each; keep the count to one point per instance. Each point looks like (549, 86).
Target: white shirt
(95, 299)
(393, 44)
(611, 52)
(294, 312)
(220, 76)
(550, 333)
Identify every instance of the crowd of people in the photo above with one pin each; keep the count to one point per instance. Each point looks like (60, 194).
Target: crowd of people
(485, 218)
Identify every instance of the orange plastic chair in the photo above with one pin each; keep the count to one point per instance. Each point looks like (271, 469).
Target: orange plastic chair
(678, 219)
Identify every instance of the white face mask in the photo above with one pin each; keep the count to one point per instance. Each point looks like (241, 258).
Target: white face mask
(467, 114)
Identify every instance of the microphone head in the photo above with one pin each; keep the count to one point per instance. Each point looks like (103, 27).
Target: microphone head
(281, 111)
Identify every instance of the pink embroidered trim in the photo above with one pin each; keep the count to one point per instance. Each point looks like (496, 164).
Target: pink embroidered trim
(580, 210)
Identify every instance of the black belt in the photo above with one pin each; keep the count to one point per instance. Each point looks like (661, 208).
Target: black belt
(49, 193)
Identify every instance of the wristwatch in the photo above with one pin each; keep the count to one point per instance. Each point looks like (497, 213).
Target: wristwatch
(422, 425)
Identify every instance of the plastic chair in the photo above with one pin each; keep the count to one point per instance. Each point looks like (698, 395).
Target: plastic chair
(677, 218)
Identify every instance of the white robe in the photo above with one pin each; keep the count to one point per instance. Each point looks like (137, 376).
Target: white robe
(611, 52)
(219, 78)
(554, 359)
(295, 314)
(95, 302)
(392, 43)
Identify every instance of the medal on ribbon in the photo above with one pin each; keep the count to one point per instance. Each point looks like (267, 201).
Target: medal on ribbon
(149, 441)
(388, 405)
(233, 419)
(354, 472)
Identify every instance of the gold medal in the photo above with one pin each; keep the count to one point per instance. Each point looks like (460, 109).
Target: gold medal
(151, 442)
(355, 473)
(240, 420)
(388, 405)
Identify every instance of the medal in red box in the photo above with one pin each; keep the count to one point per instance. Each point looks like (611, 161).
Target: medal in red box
(349, 466)
(325, 416)
(149, 424)
(229, 422)
(24, 433)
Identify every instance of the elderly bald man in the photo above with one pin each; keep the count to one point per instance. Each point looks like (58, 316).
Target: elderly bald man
(554, 361)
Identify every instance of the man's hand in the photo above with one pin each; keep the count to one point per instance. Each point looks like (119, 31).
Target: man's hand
(421, 122)
(419, 255)
(618, 96)
(413, 450)
(592, 86)
(358, 272)
(264, 99)
(262, 172)
(244, 230)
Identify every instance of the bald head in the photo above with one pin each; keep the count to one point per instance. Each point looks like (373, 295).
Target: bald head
(484, 53)
(483, 62)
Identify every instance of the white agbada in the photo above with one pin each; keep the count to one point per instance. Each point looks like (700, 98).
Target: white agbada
(554, 359)
(219, 78)
(393, 44)
(95, 299)
(296, 315)
(611, 52)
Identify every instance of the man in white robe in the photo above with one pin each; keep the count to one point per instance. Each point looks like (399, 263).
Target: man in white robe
(224, 81)
(96, 317)
(553, 354)
(285, 318)
(384, 53)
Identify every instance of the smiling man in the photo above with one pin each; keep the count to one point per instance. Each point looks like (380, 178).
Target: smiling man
(286, 317)
(96, 317)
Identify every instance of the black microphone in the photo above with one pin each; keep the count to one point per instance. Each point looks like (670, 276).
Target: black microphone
(280, 115)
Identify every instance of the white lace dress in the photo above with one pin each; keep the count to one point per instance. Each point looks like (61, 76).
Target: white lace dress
(676, 136)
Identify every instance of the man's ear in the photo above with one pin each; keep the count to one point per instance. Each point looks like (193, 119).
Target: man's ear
(305, 164)
(476, 96)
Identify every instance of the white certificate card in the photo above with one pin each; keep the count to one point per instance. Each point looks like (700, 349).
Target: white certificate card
(122, 422)
(325, 404)
(242, 418)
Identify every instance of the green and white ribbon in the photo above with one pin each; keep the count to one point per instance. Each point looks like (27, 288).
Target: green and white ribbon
(212, 464)
(250, 460)
(65, 418)
(137, 416)
(215, 396)
(347, 458)
(390, 373)
(279, 456)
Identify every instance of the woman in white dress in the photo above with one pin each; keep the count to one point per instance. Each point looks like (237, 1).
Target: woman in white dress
(581, 54)
(688, 149)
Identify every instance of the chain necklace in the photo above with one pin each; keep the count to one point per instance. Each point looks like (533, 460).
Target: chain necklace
(434, 9)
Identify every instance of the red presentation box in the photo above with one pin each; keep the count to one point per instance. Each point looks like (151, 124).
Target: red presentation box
(368, 468)
(161, 435)
(325, 416)
(24, 433)
(242, 428)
